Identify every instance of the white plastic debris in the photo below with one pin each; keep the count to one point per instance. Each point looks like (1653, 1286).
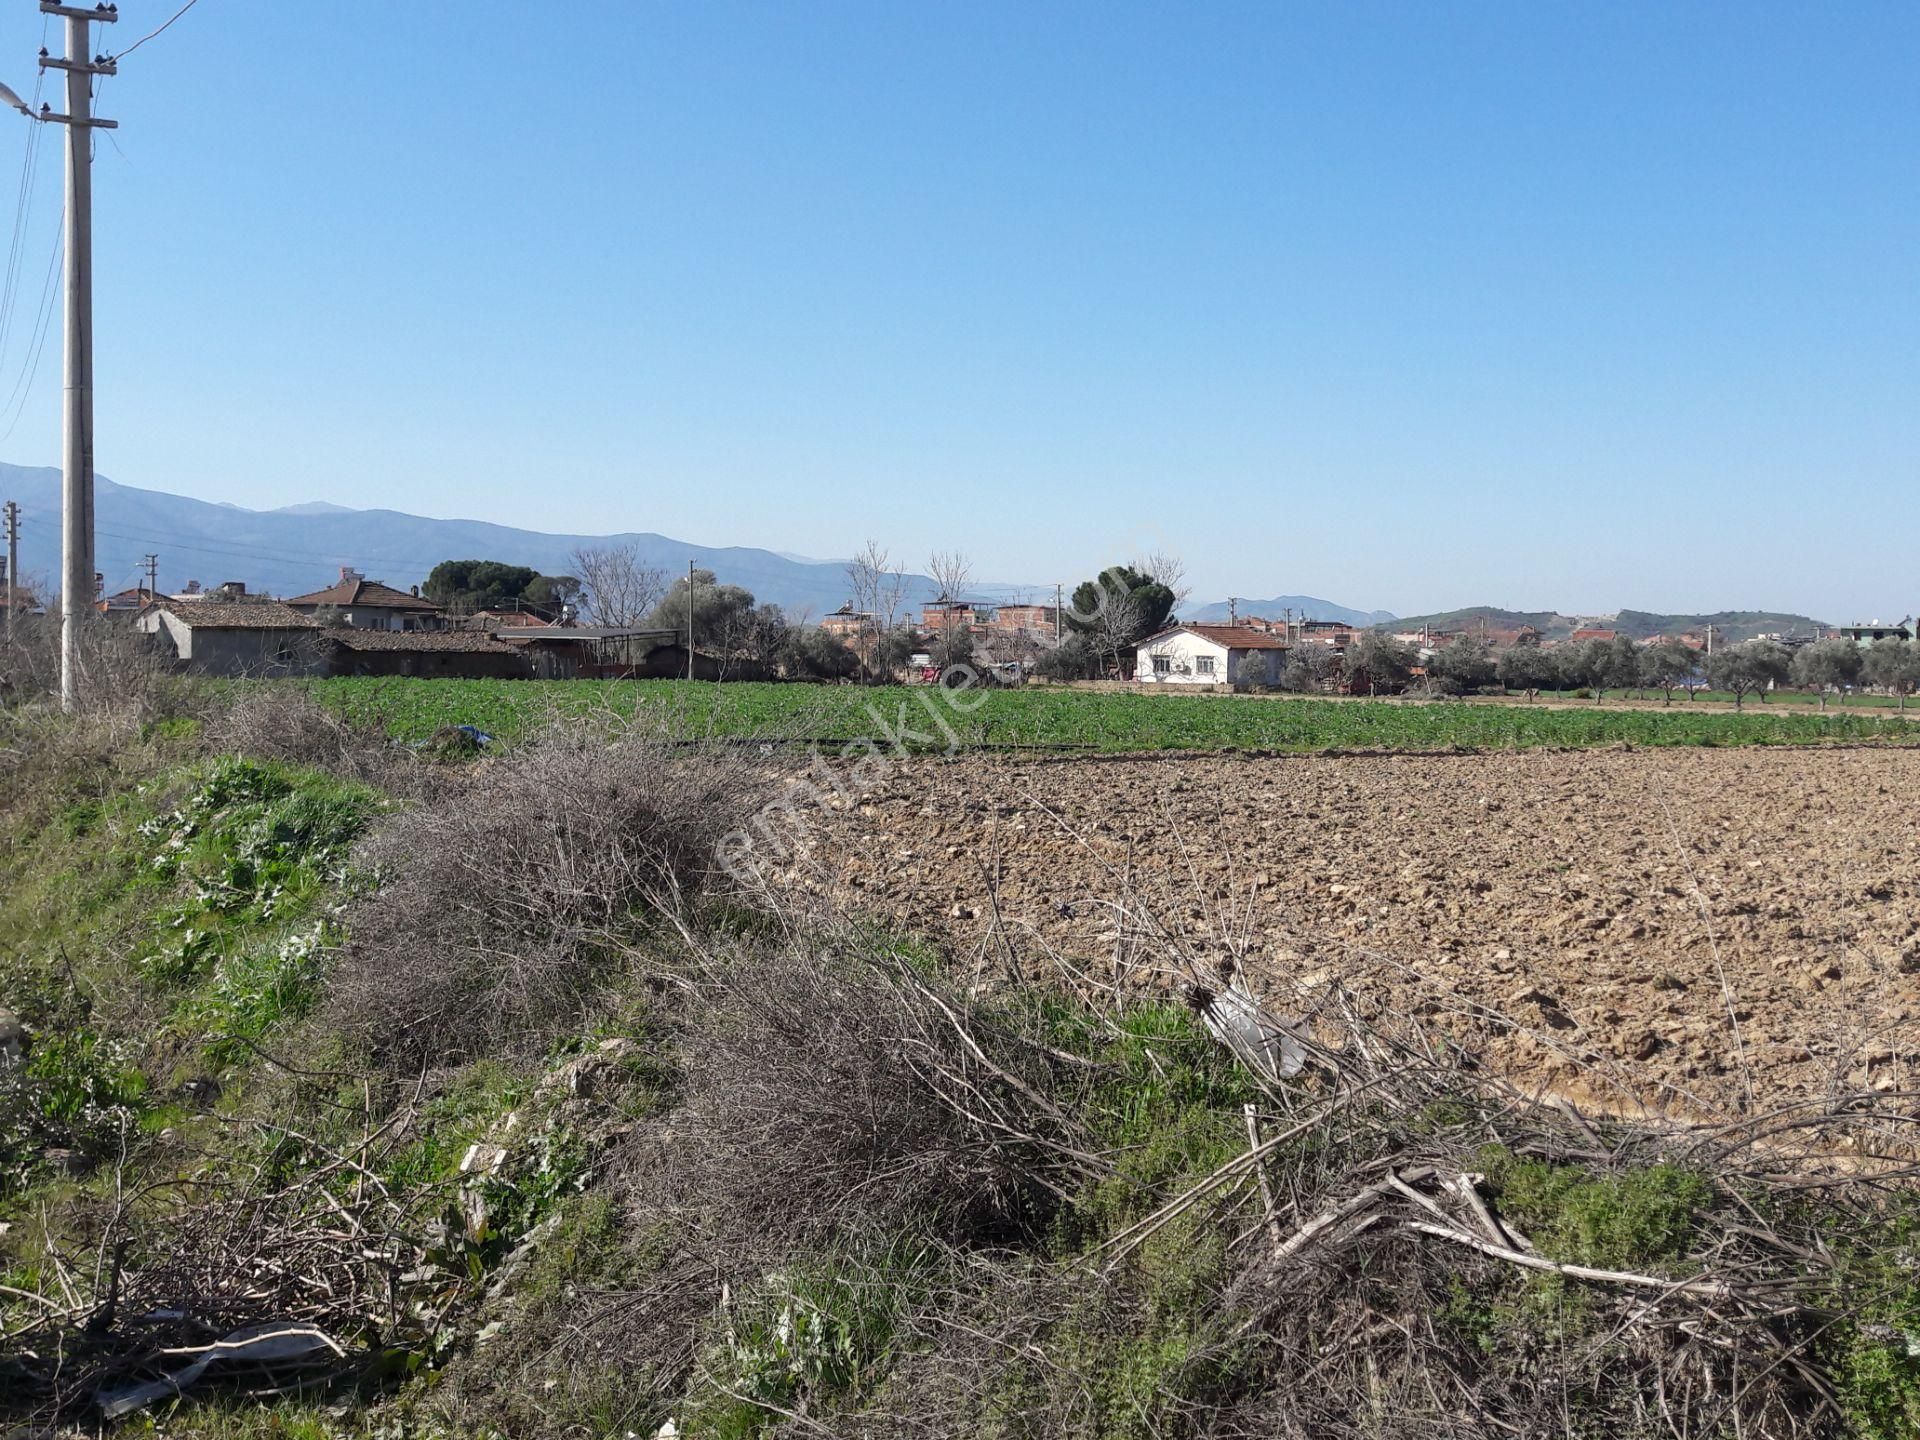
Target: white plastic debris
(268, 1344)
(1265, 1045)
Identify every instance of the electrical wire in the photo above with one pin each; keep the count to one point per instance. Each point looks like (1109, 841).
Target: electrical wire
(227, 550)
(30, 368)
(122, 54)
(23, 208)
(22, 213)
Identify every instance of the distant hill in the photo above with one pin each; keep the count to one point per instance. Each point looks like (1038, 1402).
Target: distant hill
(298, 548)
(1732, 625)
(1304, 607)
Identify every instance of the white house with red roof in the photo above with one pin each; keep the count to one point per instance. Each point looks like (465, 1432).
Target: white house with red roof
(1210, 655)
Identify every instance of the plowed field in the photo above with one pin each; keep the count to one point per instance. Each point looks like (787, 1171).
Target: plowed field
(1693, 930)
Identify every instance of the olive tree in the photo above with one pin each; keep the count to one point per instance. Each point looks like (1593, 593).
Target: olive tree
(1382, 661)
(1527, 666)
(1893, 665)
(1309, 668)
(1828, 665)
(1463, 666)
(1749, 668)
(1666, 665)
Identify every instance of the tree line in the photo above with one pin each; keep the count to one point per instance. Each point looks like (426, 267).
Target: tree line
(1753, 667)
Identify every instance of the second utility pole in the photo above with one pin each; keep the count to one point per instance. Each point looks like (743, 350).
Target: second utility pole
(76, 468)
(12, 513)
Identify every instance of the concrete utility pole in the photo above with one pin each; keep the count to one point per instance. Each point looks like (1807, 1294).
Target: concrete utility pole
(151, 564)
(689, 619)
(1059, 604)
(76, 477)
(13, 562)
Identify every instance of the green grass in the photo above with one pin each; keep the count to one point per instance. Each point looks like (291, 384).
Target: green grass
(412, 710)
(198, 901)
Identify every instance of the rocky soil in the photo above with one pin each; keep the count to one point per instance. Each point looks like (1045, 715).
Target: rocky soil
(1700, 931)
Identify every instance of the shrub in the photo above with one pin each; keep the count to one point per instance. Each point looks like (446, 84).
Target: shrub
(507, 897)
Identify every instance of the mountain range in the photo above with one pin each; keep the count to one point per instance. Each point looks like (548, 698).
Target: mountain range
(1302, 607)
(298, 548)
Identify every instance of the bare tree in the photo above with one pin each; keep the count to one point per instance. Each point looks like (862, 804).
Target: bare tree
(621, 588)
(953, 573)
(1170, 570)
(878, 588)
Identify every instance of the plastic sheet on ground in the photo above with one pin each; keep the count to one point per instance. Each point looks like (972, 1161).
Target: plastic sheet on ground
(262, 1346)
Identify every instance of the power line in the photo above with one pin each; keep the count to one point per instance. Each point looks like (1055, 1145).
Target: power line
(30, 364)
(122, 54)
(23, 208)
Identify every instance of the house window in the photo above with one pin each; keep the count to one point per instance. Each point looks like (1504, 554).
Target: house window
(1163, 664)
(1203, 664)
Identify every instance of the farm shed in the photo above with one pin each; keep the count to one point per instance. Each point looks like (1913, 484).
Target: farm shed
(1210, 655)
(588, 652)
(236, 637)
(435, 654)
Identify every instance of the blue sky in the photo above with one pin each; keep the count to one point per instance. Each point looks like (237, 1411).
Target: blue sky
(1408, 306)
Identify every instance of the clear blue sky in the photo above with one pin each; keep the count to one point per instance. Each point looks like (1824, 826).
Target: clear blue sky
(1410, 306)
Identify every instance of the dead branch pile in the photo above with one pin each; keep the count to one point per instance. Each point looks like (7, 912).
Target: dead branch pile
(305, 1243)
(283, 722)
(507, 898)
(826, 1089)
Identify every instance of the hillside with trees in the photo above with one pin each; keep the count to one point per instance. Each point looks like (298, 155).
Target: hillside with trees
(1732, 625)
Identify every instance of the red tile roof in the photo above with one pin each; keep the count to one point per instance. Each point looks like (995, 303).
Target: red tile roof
(1234, 637)
(1592, 635)
(363, 593)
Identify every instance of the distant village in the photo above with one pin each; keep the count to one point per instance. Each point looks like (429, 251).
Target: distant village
(487, 620)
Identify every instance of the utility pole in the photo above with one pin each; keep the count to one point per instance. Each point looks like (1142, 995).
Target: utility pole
(1059, 604)
(689, 619)
(151, 564)
(13, 562)
(76, 467)
(1233, 610)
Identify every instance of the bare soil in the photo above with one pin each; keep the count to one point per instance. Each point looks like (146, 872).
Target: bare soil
(1696, 931)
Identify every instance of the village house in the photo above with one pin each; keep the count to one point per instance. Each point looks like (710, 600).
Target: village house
(230, 633)
(366, 604)
(1039, 621)
(1868, 632)
(847, 623)
(1210, 655)
(943, 616)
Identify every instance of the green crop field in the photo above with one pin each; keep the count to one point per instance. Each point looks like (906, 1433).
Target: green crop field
(923, 720)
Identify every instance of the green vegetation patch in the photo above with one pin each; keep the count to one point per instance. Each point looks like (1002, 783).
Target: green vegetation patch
(913, 720)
